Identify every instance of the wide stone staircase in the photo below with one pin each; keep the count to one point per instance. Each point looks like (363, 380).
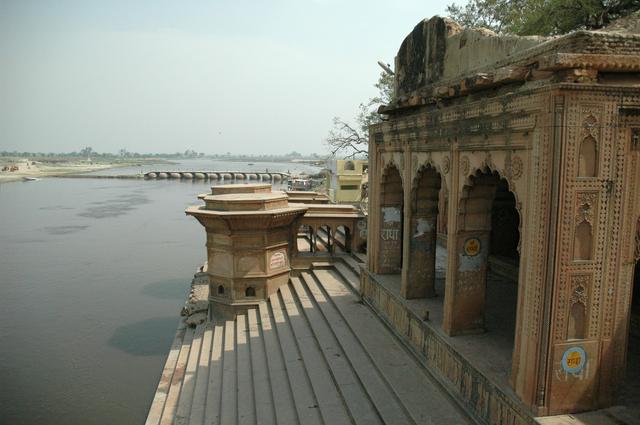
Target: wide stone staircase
(312, 354)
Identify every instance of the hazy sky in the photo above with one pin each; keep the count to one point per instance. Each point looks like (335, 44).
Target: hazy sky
(214, 76)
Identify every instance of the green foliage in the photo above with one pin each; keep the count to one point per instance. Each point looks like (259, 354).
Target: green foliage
(540, 17)
(490, 14)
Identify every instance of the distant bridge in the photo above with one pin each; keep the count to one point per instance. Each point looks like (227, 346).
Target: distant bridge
(216, 175)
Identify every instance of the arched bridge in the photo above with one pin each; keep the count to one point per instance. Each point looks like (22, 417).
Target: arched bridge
(216, 175)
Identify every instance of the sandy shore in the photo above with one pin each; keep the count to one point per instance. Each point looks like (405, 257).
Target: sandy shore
(29, 168)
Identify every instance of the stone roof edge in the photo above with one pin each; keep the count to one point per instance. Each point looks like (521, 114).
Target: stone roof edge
(200, 210)
(516, 68)
(534, 89)
(557, 41)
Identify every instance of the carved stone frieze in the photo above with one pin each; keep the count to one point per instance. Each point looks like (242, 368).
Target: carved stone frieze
(446, 164)
(465, 166)
(517, 167)
(589, 124)
(579, 288)
(585, 207)
(488, 161)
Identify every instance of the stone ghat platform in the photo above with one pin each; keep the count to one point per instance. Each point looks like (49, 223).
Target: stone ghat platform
(474, 369)
(217, 175)
(311, 354)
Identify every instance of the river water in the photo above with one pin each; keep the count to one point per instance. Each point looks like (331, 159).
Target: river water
(93, 274)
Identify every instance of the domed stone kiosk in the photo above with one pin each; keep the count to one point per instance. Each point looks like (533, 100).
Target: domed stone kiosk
(248, 238)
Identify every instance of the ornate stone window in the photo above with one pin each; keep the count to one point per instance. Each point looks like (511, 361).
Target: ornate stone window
(577, 324)
(583, 233)
(588, 162)
(220, 290)
(250, 292)
(582, 242)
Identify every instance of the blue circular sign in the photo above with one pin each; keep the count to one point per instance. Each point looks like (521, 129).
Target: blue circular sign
(574, 359)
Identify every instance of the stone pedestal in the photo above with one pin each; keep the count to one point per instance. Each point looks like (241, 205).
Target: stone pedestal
(248, 240)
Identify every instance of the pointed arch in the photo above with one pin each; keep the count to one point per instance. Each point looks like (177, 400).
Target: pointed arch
(576, 328)
(421, 270)
(484, 201)
(588, 158)
(583, 241)
(391, 221)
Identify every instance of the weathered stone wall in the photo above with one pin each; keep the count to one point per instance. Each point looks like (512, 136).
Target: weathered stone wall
(420, 60)
(536, 141)
(479, 396)
(559, 123)
(438, 50)
(471, 50)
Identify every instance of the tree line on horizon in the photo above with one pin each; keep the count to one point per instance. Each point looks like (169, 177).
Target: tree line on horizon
(89, 153)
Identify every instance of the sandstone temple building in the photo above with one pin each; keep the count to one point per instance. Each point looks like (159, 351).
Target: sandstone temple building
(501, 281)
(526, 152)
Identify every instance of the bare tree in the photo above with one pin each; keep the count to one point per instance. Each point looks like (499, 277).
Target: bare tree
(351, 139)
(347, 139)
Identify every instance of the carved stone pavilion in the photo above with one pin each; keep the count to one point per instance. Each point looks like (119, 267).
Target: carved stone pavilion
(248, 237)
(522, 156)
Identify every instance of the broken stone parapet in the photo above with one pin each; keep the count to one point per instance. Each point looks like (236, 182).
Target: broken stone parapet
(440, 60)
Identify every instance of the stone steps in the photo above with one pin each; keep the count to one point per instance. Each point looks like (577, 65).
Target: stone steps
(185, 400)
(322, 240)
(202, 379)
(285, 410)
(245, 399)
(358, 404)
(175, 386)
(160, 397)
(228, 407)
(353, 264)
(332, 409)
(351, 278)
(311, 355)
(263, 399)
(213, 397)
(360, 256)
(412, 386)
(382, 398)
(304, 397)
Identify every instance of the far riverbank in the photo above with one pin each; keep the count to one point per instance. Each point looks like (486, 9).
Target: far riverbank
(27, 167)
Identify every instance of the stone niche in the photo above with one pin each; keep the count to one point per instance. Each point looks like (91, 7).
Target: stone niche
(248, 234)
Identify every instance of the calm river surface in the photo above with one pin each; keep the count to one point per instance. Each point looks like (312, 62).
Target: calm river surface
(93, 274)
